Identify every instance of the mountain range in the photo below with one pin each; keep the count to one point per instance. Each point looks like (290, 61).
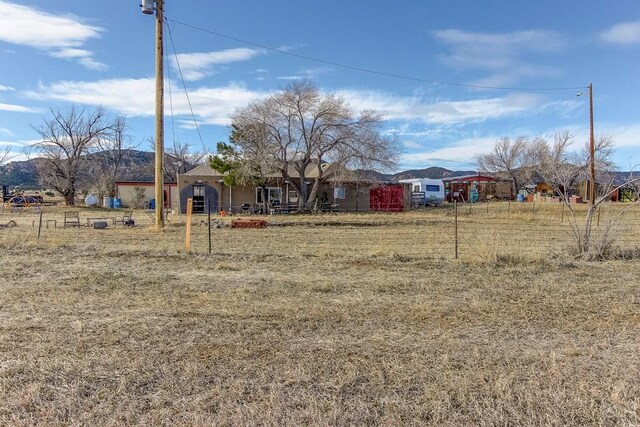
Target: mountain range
(139, 166)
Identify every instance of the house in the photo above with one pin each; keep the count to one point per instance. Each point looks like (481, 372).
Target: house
(140, 193)
(342, 190)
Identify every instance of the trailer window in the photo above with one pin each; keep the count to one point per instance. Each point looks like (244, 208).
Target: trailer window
(432, 188)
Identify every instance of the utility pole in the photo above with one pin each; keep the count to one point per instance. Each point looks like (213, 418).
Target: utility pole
(147, 9)
(159, 170)
(592, 149)
(591, 191)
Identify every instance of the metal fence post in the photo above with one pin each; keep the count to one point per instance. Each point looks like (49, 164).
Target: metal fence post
(209, 222)
(455, 228)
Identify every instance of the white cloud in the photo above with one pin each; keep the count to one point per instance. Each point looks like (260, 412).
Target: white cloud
(624, 33)
(196, 66)
(505, 55)
(15, 108)
(6, 88)
(444, 112)
(290, 77)
(136, 97)
(61, 36)
(412, 145)
(461, 152)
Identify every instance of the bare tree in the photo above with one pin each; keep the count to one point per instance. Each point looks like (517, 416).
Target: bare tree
(65, 140)
(5, 155)
(108, 155)
(509, 159)
(179, 158)
(562, 169)
(300, 127)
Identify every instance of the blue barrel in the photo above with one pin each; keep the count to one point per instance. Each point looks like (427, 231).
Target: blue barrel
(117, 202)
(520, 198)
(107, 202)
(152, 203)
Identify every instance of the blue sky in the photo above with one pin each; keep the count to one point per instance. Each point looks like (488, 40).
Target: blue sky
(55, 52)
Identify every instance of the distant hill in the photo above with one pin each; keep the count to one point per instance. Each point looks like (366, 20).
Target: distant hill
(139, 166)
(433, 172)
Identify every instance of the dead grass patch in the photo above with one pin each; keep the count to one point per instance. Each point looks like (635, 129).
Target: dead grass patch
(311, 326)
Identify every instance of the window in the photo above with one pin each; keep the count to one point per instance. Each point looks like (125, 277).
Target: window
(432, 188)
(198, 191)
(339, 193)
(416, 188)
(273, 194)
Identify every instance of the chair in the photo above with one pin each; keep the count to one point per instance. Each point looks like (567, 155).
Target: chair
(126, 219)
(71, 219)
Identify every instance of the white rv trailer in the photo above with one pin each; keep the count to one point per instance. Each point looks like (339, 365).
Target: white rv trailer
(426, 191)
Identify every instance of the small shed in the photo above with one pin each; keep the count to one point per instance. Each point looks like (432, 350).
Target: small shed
(390, 197)
(459, 188)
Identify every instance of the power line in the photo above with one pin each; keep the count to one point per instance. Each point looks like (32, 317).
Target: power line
(367, 70)
(184, 85)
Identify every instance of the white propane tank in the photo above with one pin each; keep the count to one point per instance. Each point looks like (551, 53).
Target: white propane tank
(147, 7)
(91, 200)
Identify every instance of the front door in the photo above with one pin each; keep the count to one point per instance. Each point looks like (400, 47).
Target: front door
(198, 199)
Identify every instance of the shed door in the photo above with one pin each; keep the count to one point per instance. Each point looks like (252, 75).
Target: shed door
(198, 199)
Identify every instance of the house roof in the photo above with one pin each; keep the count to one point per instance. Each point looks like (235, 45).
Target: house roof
(336, 172)
(478, 176)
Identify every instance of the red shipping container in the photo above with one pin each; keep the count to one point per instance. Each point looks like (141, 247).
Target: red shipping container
(387, 198)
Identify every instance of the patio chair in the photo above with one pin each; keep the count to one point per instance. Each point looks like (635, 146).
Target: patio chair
(126, 219)
(71, 219)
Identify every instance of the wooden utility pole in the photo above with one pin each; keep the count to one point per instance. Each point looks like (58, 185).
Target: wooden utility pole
(592, 150)
(159, 145)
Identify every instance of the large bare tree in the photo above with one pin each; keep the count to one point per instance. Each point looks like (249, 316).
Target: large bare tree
(300, 127)
(509, 159)
(180, 157)
(65, 139)
(108, 155)
(562, 167)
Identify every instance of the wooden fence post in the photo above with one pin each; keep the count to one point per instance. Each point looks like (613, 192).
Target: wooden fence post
(39, 224)
(187, 239)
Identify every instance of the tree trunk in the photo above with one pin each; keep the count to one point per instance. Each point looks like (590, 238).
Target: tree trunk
(302, 200)
(70, 197)
(314, 192)
(265, 201)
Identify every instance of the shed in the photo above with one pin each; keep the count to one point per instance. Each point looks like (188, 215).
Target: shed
(390, 197)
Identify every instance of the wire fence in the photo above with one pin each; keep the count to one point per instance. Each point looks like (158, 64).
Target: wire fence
(478, 231)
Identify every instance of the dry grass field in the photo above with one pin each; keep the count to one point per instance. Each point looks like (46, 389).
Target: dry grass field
(360, 319)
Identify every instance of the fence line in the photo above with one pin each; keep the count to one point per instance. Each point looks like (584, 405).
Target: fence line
(448, 232)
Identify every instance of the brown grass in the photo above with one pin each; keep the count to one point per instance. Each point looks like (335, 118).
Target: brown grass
(321, 321)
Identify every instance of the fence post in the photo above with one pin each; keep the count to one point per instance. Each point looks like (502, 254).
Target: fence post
(562, 217)
(187, 239)
(469, 205)
(209, 222)
(455, 228)
(39, 224)
(487, 206)
(509, 207)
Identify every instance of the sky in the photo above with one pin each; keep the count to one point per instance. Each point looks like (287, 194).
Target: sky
(447, 76)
